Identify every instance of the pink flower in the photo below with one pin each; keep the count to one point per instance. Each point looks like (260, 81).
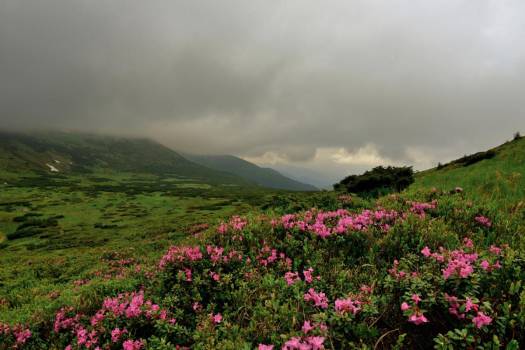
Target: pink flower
(460, 263)
(217, 318)
(404, 306)
(468, 242)
(187, 272)
(495, 250)
(196, 306)
(132, 344)
(308, 275)
(481, 320)
(215, 276)
(485, 265)
(265, 347)
(134, 308)
(292, 344)
(116, 334)
(469, 305)
(417, 319)
(426, 252)
(180, 254)
(308, 343)
(22, 336)
(307, 327)
(366, 289)
(316, 343)
(347, 305)
(223, 228)
(81, 336)
(484, 221)
(291, 277)
(319, 299)
(97, 318)
(416, 298)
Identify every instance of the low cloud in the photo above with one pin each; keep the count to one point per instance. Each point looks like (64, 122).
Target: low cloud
(337, 86)
(367, 156)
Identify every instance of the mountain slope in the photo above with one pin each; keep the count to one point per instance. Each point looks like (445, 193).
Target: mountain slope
(316, 178)
(61, 152)
(265, 177)
(500, 176)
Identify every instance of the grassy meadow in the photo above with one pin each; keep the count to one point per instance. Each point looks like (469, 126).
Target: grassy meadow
(499, 180)
(128, 261)
(58, 230)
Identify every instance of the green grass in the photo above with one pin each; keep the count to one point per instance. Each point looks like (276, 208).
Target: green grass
(500, 179)
(134, 216)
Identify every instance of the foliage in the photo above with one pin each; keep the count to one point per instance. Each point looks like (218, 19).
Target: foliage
(427, 269)
(378, 181)
(152, 262)
(499, 182)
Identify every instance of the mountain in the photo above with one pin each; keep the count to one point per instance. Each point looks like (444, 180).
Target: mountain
(265, 177)
(306, 175)
(496, 174)
(63, 152)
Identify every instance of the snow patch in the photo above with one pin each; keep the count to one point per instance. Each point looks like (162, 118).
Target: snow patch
(57, 161)
(52, 168)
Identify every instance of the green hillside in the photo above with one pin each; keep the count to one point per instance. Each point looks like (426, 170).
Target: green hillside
(75, 153)
(500, 177)
(142, 261)
(265, 177)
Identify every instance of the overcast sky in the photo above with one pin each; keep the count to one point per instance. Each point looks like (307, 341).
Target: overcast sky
(334, 86)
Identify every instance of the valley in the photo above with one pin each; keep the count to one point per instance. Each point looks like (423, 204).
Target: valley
(73, 239)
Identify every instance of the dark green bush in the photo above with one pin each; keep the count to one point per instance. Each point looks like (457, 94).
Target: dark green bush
(378, 181)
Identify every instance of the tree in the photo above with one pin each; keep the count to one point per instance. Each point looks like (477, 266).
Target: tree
(378, 181)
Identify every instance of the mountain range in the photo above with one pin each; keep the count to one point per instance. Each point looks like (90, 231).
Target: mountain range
(265, 177)
(71, 152)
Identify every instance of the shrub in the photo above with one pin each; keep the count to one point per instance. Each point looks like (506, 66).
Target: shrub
(409, 272)
(378, 181)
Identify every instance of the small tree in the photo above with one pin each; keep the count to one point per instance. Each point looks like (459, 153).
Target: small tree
(517, 135)
(378, 181)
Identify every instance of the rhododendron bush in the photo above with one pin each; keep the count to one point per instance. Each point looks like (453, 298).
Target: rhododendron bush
(432, 270)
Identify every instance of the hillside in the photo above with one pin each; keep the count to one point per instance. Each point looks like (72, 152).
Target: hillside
(265, 177)
(147, 264)
(500, 176)
(61, 152)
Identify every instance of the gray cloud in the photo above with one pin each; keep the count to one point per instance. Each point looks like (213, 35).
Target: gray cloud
(287, 82)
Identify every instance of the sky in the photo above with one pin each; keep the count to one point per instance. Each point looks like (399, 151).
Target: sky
(329, 87)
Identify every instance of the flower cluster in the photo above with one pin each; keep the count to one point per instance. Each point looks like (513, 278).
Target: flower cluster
(325, 224)
(415, 314)
(18, 334)
(268, 256)
(180, 254)
(305, 343)
(292, 277)
(235, 224)
(348, 305)
(103, 327)
(460, 309)
(460, 263)
(319, 299)
(420, 209)
(484, 221)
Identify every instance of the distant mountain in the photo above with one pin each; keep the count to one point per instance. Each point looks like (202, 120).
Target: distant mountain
(265, 177)
(306, 175)
(63, 152)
